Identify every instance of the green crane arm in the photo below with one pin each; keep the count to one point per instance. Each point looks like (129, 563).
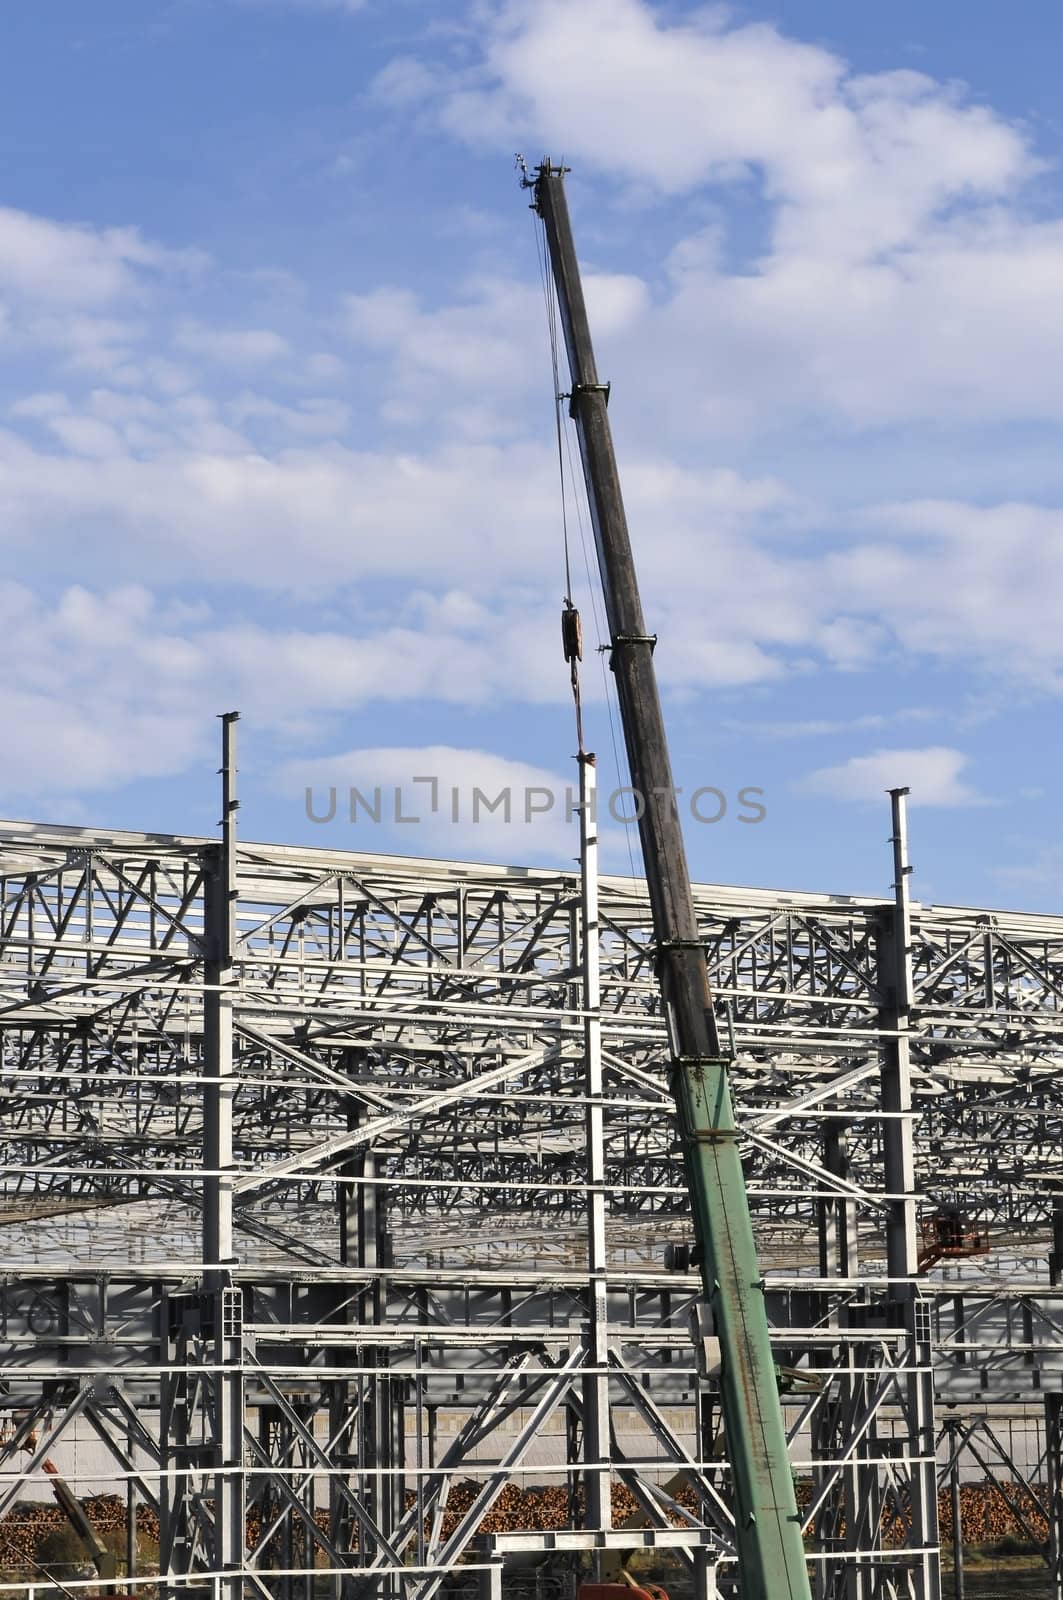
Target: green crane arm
(770, 1550)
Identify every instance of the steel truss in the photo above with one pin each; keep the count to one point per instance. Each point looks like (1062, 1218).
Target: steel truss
(338, 1189)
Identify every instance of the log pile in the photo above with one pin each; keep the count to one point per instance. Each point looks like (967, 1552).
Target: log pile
(28, 1524)
(989, 1512)
(986, 1514)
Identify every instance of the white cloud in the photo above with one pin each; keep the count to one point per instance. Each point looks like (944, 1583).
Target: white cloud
(467, 363)
(825, 727)
(324, 367)
(82, 341)
(47, 403)
(42, 261)
(186, 480)
(220, 486)
(103, 686)
(963, 582)
(233, 347)
(312, 515)
(679, 103)
(480, 516)
(902, 278)
(1043, 873)
(964, 323)
(615, 300)
(311, 418)
(79, 296)
(462, 363)
(92, 692)
(405, 82)
(520, 812)
(930, 307)
(932, 774)
(87, 436)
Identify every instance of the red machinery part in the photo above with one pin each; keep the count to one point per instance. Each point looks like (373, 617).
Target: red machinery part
(621, 1591)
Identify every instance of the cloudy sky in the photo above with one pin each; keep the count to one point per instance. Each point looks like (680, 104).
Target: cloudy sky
(276, 420)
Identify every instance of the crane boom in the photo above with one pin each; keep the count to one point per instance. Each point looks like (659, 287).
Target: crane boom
(771, 1554)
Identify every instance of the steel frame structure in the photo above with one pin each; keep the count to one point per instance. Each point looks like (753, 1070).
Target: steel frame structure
(338, 1187)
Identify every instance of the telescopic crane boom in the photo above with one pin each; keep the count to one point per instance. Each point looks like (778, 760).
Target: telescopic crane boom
(771, 1556)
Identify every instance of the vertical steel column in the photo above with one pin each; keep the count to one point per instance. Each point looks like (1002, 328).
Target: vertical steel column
(850, 1519)
(370, 1446)
(490, 1579)
(1055, 1258)
(837, 1222)
(1054, 1469)
(222, 1327)
(704, 1584)
(131, 1512)
(346, 1395)
(902, 1245)
(596, 1442)
(959, 1586)
(220, 919)
(180, 1449)
(381, 1416)
(1054, 1430)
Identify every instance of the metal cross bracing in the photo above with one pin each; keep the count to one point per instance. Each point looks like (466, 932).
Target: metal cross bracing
(451, 1183)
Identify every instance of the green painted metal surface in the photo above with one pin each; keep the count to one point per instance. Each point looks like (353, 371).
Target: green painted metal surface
(770, 1547)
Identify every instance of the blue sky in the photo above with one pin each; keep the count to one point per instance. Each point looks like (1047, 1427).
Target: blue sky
(275, 417)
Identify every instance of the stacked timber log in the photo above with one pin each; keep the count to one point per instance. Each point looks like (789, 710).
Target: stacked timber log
(25, 1528)
(990, 1512)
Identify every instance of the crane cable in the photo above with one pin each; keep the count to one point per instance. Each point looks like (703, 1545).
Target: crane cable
(571, 624)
